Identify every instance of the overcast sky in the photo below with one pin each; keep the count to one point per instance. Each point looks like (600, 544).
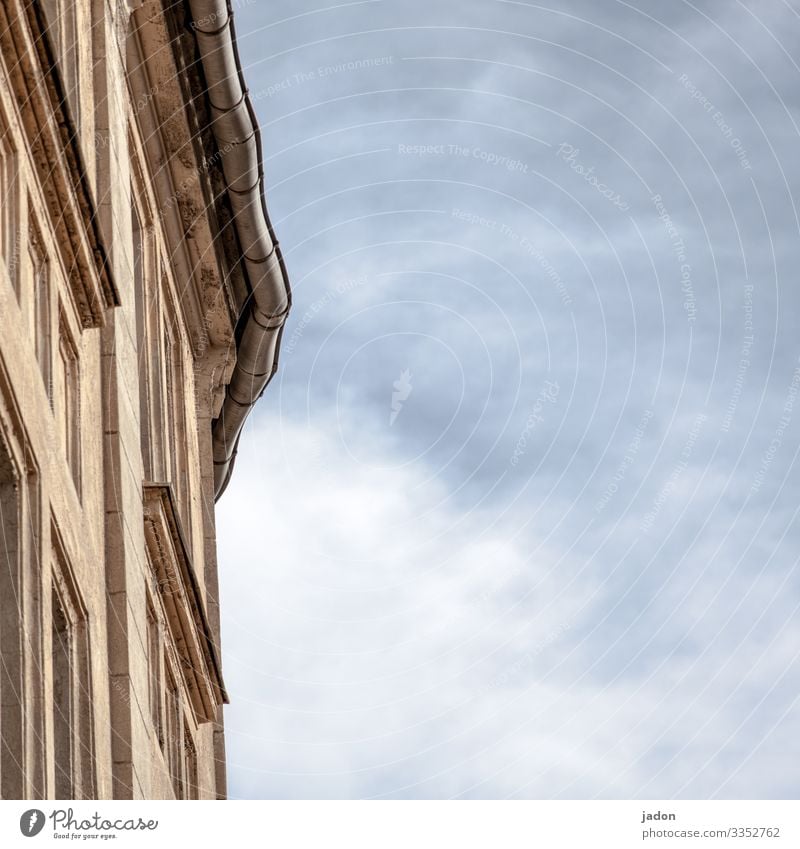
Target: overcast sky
(518, 516)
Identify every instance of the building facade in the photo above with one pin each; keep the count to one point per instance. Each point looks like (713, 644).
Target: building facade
(142, 298)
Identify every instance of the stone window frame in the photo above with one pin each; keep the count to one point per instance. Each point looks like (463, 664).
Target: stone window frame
(22, 686)
(141, 229)
(145, 293)
(180, 606)
(180, 750)
(171, 714)
(191, 778)
(50, 153)
(155, 668)
(11, 194)
(70, 401)
(65, 592)
(164, 354)
(177, 420)
(41, 275)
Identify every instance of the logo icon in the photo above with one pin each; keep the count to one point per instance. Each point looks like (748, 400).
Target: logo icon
(31, 822)
(402, 389)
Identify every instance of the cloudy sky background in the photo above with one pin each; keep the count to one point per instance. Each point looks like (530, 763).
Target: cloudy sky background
(562, 560)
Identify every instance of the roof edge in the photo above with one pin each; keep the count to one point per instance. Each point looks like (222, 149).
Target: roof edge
(238, 137)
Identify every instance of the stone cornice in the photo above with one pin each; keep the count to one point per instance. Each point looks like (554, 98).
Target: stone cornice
(182, 603)
(187, 183)
(55, 150)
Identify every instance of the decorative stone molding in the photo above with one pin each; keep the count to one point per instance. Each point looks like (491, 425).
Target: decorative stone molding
(193, 206)
(52, 140)
(182, 603)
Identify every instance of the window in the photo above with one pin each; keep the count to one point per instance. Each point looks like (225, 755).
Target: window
(11, 668)
(181, 607)
(176, 423)
(154, 666)
(168, 707)
(42, 330)
(140, 300)
(71, 704)
(148, 319)
(22, 759)
(184, 667)
(163, 354)
(63, 674)
(9, 223)
(170, 386)
(67, 392)
(190, 768)
(168, 712)
(175, 734)
(179, 750)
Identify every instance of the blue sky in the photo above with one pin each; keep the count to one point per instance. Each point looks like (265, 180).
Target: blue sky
(518, 515)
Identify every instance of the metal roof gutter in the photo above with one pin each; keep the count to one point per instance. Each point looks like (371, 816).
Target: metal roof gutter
(235, 129)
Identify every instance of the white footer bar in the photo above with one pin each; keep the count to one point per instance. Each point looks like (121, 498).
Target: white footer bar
(404, 825)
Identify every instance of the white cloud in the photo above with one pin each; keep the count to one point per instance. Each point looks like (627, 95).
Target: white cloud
(378, 641)
(406, 611)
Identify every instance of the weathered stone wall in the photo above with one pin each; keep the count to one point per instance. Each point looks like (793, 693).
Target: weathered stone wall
(83, 500)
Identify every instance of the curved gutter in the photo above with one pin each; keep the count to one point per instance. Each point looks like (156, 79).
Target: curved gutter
(235, 129)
